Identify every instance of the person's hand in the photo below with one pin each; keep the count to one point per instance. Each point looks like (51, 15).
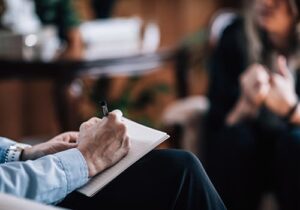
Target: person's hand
(255, 87)
(59, 143)
(282, 96)
(255, 83)
(103, 142)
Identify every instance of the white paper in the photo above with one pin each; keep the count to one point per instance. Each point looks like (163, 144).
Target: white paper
(111, 30)
(143, 139)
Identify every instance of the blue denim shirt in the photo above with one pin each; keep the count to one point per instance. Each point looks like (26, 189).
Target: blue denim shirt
(4, 144)
(48, 179)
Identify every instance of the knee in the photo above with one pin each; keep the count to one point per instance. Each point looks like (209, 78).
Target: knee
(188, 161)
(180, 161)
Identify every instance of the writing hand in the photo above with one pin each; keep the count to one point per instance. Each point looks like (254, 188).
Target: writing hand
(103, 142)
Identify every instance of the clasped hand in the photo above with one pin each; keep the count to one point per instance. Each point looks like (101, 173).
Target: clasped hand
(274, 90)
(102, 142)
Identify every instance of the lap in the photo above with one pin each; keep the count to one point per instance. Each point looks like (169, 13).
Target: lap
(154, 182)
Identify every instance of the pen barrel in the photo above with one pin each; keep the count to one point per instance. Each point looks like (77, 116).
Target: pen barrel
(105, 110)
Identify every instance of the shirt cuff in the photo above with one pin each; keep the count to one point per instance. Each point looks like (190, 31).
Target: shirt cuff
(75, 168)
(4, 145)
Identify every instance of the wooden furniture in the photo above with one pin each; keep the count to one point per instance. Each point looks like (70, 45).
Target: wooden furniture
(64, 72)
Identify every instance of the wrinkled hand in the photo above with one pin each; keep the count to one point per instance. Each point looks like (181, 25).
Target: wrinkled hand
(255, 83)
(103, 142)
(59, 143)
(282, 94)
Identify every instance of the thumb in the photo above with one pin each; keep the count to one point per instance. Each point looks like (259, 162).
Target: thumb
(70, 136)
(117, 114)
(282, 66)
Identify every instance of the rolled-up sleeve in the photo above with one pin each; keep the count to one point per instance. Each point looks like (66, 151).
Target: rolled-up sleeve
(48, 179)
(4, 144)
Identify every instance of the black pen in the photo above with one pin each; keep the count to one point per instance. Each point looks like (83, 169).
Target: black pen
(104, 108)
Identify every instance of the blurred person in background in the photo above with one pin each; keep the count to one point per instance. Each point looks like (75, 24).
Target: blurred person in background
(253, 135)
(62, 14)
(27, 16)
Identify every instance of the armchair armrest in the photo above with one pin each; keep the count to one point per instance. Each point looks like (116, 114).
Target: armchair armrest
(15, 203)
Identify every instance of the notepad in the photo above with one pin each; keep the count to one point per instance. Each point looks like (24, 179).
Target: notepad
(143, 139)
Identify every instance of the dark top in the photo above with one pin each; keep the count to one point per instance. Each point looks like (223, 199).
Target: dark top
(60, 13)
(103, 8)
(228, 61)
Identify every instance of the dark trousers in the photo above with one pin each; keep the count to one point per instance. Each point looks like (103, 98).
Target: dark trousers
(162, 180)
(245, 161)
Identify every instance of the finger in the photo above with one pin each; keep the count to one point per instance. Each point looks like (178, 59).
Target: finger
(68, 145)
(71, 136)
(124, 148)
(278, 81)
(115, 115)
(89, 123)
(254, 77)
(282, 66)
(121, 130)
(93, 120)
(126, 143)
(263, 93)
(254, 69)
(263, 75)
(72, 144)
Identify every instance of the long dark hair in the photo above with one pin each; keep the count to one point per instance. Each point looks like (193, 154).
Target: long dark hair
(261, 49)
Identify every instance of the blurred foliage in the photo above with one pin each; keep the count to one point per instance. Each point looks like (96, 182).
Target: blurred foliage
(132, 106)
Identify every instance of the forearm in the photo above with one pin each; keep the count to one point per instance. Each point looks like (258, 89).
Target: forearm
(48, 179)
(75, 47)
(295, 118)
(243, 110)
